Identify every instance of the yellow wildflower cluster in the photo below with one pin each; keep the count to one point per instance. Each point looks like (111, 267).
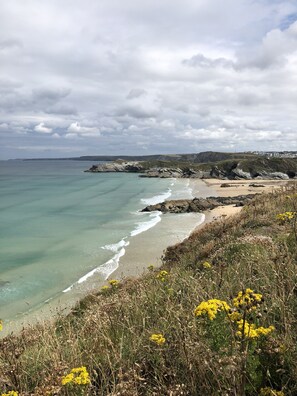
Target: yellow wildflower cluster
(10, 393)
(105, 288)
(247, 300)
(286, 216)
(1, 325)
(270, 392)
(162, 276)
(77, 376)
(211, 308)
(251, 331)
(113, 282)
(158, 339)
(206, 265)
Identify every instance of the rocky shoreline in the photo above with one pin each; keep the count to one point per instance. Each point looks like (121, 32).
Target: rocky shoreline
(211, 172)
(198, 204)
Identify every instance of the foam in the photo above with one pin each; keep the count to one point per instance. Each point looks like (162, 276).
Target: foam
(155, 218)
(157, 198)
(107, 268)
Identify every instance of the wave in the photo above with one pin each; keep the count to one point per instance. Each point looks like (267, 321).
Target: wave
(157, 198)
(155, 218)
(118, 248)
(108, 267)
(115, 246)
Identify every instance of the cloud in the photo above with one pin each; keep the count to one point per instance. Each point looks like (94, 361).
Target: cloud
(76, 129)
(273, 50)
(200, 60)
(211, 75)
(136, 93)
(63, 109)
(41, 128)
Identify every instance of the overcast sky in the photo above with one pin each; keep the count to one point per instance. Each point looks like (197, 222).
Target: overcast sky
(80, 77)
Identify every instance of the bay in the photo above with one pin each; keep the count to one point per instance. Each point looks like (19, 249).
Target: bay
(60, 225)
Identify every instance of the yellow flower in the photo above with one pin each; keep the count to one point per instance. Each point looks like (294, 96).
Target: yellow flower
(251, 331)
(113, 282)
(1, 325)
(77, 376)
(105, 287)
(211, 308)
(150, 267)
(162, 276)
(67, 379)
(247, 299)
(10, 393)
(286, 216)
(270, 392)
(158, 339)
(235, 316)
(206, 265)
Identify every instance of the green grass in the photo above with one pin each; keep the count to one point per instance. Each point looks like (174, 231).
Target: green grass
(109, 332)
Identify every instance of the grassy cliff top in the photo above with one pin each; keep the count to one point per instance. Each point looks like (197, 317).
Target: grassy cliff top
(219, 318)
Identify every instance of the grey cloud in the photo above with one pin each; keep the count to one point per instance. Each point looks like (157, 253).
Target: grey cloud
(50, 94)
(10, 44)
(169, 76)
(141, 106)
(136, 93)
(62, 109)
(202, 61)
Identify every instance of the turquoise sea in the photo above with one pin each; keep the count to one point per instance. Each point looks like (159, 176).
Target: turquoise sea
(60, 226)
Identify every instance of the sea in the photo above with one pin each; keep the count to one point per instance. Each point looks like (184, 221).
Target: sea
(61, 226)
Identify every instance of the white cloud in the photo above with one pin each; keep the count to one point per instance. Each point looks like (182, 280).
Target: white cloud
(41, 128)
(76, 128)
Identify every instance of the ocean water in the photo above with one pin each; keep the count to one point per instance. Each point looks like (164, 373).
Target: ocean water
(60, 227)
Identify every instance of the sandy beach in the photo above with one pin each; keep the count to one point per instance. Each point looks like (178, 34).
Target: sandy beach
(231, 188)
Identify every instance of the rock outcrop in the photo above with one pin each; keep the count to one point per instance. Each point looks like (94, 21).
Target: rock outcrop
(198, 204)
(131, 166)
(232, 171)
(176, 172)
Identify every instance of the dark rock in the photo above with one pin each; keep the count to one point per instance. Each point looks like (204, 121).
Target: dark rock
(226, 185)
(256, 185)
(198, 204)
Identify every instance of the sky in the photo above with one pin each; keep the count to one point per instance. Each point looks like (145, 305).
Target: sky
(111, 77)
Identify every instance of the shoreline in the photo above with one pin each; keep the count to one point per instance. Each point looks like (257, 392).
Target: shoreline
(144, 249)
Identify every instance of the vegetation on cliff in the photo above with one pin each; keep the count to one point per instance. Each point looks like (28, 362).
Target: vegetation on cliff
(218, 319)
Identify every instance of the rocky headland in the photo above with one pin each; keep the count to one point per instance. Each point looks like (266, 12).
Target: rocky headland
(117, 166)
(198, 204)
(256, 169)
(167, 172)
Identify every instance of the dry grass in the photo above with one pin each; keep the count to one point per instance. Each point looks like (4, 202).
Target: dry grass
(109, 332)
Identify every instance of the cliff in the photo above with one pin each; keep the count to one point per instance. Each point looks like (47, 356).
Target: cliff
(233, 169)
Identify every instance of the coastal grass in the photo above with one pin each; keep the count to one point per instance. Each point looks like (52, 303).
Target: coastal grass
(141, 337)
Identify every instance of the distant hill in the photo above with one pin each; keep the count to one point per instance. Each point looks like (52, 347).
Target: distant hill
(203, 157)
